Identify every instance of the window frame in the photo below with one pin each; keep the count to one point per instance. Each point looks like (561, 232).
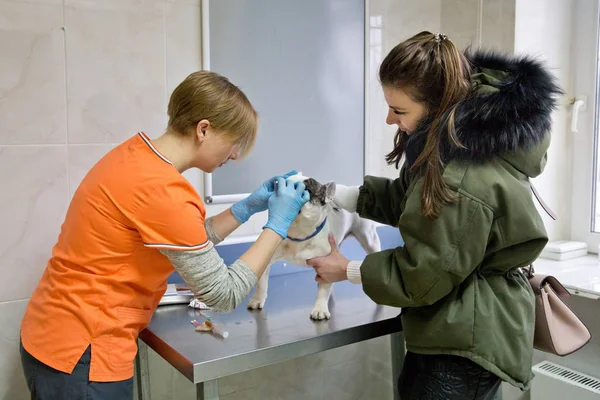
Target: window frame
(585, 68)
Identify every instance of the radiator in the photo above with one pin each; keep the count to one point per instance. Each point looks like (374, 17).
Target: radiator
(553, 381)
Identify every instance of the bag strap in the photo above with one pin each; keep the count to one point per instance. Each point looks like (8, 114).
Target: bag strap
(542, 203)
(539, 281)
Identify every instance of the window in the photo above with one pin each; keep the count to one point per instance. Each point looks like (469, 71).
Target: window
(585, 72)
(595, 211)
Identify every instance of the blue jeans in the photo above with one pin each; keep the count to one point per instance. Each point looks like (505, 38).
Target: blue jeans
(46, 383)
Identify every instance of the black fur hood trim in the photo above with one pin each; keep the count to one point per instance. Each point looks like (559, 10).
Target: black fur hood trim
(509, 109)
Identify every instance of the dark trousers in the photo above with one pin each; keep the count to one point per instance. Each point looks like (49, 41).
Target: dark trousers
(46, 383)
(445, 377)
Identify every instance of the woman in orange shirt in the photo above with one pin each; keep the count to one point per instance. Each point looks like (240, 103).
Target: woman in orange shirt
(132, 221)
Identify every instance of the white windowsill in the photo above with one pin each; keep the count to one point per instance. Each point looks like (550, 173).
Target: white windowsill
(581, 275)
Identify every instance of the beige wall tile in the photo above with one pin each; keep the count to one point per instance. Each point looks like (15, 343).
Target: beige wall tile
(460, 21)
(51, 2)
(184, 50)
(114, 5)
(189, 2)
(32, 207)
(246, 394)
(405, 18)
(115, 69)
(32, 75)
(12, 381)
(184, 55)
(498, 25)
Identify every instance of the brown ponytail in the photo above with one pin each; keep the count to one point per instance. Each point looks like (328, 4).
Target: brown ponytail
(431, 70)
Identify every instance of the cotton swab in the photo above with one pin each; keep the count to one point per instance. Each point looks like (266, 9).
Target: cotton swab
(208, 325)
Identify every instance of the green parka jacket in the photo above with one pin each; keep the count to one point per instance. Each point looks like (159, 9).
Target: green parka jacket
(456, 276)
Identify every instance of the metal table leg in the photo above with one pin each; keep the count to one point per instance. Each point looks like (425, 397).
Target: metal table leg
(142, 371)
(208, 390)
(398, 353)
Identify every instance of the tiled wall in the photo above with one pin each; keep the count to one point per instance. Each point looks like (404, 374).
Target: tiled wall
(79, 76)
(76, 78)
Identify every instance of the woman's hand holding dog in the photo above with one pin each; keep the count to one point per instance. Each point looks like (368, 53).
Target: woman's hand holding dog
(332, 267)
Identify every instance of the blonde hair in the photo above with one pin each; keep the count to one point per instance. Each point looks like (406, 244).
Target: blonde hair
(208, 95)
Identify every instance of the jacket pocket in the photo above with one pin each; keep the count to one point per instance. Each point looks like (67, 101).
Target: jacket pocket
(123, 340)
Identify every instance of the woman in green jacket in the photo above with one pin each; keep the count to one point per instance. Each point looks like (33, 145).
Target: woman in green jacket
(472, 130)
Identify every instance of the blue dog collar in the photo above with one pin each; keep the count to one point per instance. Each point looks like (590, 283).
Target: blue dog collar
(312, 235)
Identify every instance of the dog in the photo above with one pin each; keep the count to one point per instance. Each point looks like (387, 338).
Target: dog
(308, 238)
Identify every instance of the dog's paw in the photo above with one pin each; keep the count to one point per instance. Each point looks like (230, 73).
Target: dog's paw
(256, 303)
(320, 313)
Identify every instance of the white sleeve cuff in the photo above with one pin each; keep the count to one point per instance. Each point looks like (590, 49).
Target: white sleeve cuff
(346, 197)
(353, 271)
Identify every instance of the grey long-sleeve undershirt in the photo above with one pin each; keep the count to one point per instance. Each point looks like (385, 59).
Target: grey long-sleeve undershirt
(216, 285)
(210, 232)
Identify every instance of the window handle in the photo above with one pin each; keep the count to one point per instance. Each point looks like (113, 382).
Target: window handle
(578, 105)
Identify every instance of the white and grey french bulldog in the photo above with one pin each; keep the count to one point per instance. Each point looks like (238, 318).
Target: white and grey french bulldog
(308, 238)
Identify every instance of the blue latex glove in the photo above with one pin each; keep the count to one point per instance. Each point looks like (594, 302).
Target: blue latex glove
(285, 205)
(257, 201)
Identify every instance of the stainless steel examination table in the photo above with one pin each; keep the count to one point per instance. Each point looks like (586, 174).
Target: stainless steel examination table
(281, 331)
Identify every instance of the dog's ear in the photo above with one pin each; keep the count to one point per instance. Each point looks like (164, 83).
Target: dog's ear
(329, 191)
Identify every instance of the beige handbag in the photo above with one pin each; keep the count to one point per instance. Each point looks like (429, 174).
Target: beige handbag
(557, 329)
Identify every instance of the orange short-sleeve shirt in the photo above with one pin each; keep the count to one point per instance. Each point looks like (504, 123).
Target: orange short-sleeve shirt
(106, 275)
